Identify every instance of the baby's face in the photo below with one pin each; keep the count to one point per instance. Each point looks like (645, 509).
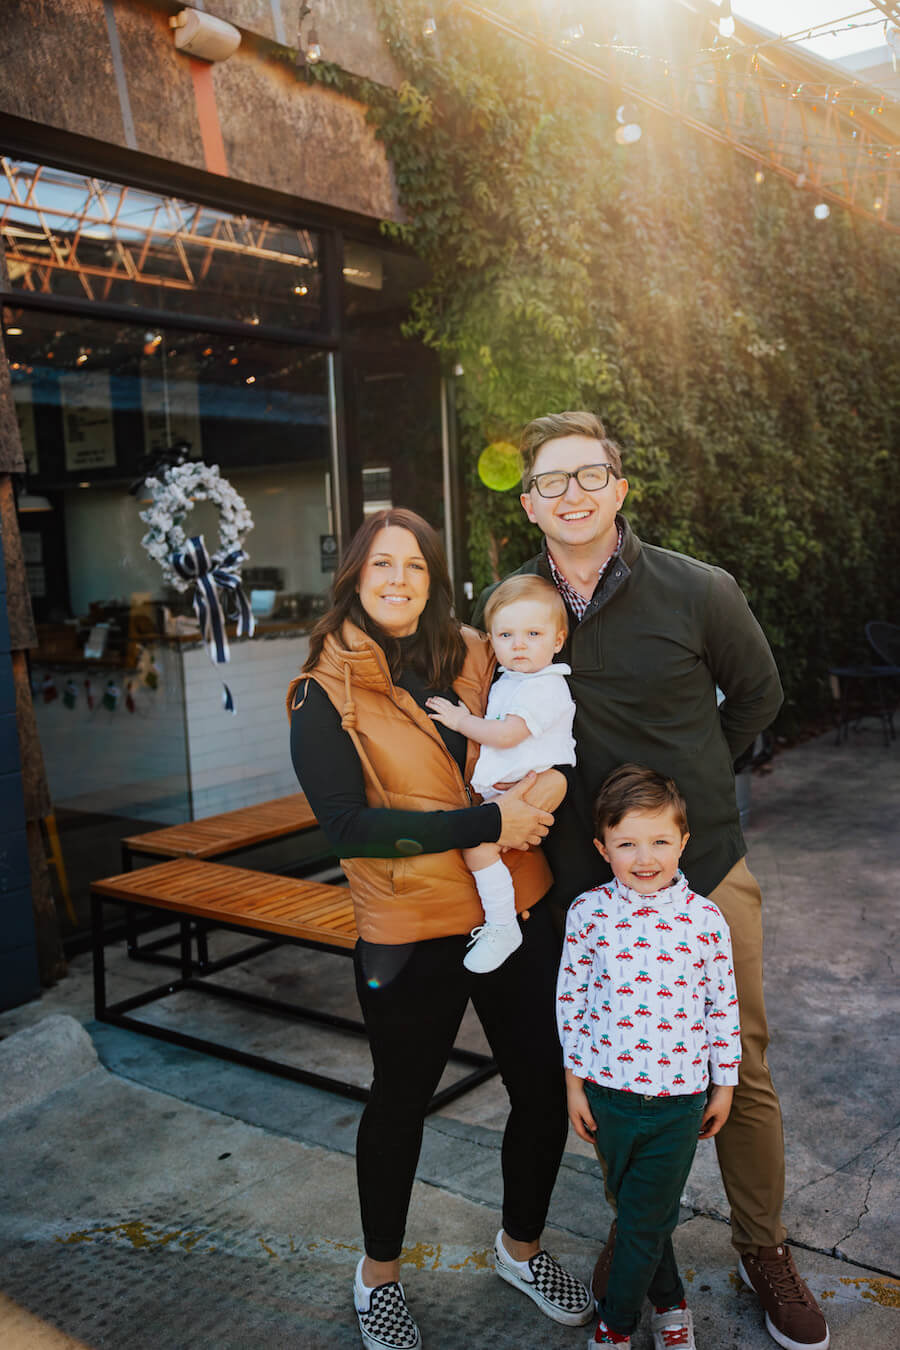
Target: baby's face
(526, 636)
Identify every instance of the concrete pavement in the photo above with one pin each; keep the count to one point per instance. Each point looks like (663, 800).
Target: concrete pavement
(159, 1198)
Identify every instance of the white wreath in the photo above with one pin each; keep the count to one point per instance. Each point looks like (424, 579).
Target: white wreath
(174, 493)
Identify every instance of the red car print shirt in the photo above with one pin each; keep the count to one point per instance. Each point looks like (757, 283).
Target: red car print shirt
(663, 1036)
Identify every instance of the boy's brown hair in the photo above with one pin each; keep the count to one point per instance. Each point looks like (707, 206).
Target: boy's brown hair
(631, 787)
(527, 587)
(556, 425)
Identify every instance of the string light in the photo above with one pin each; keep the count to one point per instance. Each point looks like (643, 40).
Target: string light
(628, 131)
(759, 176)
(429, 27)
(308, 52)
(572, 34)
(811, 144)
(892, 38)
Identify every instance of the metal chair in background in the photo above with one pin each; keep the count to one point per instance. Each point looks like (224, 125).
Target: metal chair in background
(870, 691)
(884, 639)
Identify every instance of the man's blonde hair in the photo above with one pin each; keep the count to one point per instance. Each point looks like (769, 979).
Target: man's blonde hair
(556, 425)
(526, 588)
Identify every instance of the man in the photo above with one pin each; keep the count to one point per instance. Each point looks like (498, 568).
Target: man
(652, 635)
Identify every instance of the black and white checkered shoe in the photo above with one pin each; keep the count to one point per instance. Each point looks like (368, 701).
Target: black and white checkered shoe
(554, 1290)
(385, 1322)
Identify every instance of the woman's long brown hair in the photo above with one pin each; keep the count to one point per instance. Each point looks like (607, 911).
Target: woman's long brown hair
(438, 652)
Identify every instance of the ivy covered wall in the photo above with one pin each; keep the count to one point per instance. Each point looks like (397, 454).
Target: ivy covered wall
(743, 353)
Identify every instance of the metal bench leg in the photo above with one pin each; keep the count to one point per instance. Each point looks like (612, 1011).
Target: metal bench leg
(187, 957)
(202, 929)
(131, 935)
(97, 938)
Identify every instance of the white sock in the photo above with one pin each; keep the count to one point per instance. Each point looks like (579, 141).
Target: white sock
(522, 1266)
(360, 1283)
(495, 890)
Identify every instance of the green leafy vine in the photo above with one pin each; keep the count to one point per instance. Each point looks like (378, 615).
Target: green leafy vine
(744, 354)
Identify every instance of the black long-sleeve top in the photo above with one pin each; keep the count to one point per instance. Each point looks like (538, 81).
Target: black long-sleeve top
(330, 773)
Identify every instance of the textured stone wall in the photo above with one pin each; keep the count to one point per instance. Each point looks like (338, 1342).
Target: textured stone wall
(111, 72)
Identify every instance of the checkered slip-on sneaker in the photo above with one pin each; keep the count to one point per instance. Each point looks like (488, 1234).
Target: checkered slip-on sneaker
(554, 1290)
(385, 1322)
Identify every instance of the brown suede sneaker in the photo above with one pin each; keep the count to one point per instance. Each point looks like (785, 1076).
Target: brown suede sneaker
(793, 1318)
(600, 1277)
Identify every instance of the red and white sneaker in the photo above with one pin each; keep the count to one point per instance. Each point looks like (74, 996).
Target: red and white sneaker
(673, 1329)
(603, 1336)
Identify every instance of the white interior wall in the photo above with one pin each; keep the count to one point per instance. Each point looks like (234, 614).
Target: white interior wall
(103, 534)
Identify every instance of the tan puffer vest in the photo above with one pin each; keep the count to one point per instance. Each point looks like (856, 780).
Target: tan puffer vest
(407, 767)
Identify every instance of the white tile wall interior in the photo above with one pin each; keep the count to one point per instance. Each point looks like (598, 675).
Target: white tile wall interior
(136, 764)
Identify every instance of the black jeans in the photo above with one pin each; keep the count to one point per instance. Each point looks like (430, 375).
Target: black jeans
(413, 998)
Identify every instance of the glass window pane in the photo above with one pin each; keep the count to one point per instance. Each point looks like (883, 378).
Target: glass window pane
(129, 704)
(73, 235)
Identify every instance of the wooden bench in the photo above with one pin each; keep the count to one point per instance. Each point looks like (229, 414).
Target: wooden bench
(230, 832)
(260, 904)
(218, 836)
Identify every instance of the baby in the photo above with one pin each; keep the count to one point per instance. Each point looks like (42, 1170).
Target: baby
(527, 726)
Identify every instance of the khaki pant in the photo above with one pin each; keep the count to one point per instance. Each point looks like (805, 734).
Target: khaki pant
(751, 1144)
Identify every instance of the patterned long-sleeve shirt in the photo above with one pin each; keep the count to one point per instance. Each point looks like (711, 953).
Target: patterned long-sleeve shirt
(646, 999)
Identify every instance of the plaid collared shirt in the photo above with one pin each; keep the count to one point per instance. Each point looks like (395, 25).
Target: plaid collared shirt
(575, 601)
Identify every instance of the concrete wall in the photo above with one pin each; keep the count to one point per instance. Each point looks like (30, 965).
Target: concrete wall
(109, 70)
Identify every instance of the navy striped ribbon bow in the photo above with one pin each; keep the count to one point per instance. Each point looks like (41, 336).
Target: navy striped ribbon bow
(209, 573)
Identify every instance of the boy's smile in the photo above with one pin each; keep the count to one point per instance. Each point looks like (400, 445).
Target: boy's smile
(644, 849)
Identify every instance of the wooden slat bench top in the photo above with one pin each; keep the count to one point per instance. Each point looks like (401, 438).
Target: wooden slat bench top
(231, 830)
(292, 908)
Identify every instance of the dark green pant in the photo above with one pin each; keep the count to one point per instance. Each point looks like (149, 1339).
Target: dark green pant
(646, 1146)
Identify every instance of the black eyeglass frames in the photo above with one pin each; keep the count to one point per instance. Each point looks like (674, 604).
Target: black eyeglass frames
(554, 483)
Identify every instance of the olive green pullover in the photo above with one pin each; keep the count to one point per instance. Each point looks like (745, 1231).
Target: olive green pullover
(661, 632)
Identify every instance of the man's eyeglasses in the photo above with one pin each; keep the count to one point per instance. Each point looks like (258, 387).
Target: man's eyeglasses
(554, 483)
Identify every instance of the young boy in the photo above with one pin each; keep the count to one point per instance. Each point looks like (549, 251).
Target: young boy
(527, 726)
(647, 1014)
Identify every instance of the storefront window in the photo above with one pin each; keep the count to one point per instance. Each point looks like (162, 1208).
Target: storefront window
(137, 326)
(392, 387)
(128, 702)
(77, 236)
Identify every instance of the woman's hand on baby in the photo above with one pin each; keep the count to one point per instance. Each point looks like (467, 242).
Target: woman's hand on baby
(447, 713)
(716, 1111)
(521, 824)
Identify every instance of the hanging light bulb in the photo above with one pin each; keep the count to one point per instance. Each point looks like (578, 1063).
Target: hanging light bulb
(822, 211)
(878, 203)
(759, 176)
(572, 33)
(429, 26)
(726, 20)
(628, 134)
(892, 38)
(313, 51)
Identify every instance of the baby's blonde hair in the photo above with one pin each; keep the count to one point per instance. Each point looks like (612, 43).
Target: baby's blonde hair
(526, 588)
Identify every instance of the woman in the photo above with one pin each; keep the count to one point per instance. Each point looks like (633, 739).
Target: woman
(388, 786)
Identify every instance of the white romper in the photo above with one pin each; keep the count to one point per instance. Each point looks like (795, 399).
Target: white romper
(542, 700)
